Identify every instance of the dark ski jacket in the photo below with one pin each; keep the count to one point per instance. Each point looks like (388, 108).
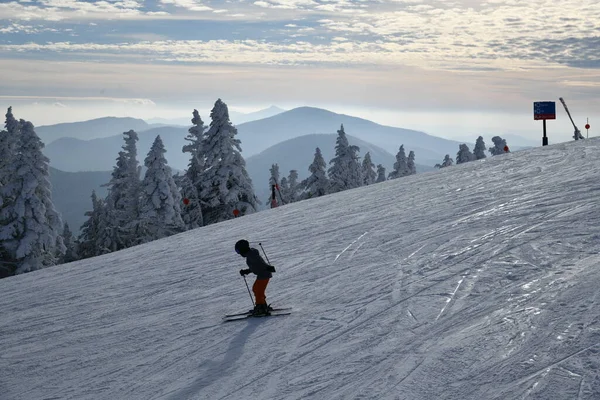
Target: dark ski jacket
(257, 265)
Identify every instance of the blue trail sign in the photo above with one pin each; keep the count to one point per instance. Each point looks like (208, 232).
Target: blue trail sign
(544, 110)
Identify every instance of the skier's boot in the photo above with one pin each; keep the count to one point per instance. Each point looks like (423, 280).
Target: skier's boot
(260, 310)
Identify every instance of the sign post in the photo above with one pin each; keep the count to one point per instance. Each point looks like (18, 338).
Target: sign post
(587, 128)
(544, 110)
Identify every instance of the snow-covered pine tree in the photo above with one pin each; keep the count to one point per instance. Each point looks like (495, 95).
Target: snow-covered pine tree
(400, 166)
(499, 145)
(345, 170)
(30, 226)
(412, 167)
(479, 149)
(90, 230)
(446, 163)
(293, 188)
(380, 173)
(273, 180)
(8, 191)
(464, 154)
(8, 144)
(70, 245)
(122, 202)
(284, 189)
(191, 182)
(191, 210)
(317, 184)
(368, 170)
(160, 209)
(226, 185)
(105, 241)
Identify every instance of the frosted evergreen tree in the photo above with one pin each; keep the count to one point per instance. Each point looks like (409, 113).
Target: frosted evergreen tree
(273, 180)
(226, 185)
(191, 210)
(191, 183)
(30, 226)
(106, 241)
(90, 230)
(380, 173)
(292, 187)
(446, 163)
(345, 170)
(123, 198)
(499, 145)
(70, 245)
(8, 144)
(368, 170)
(400, 166)
(160, 209)
(412, 167)
(284, 189)
(464, 154)
(317, 184)
(479, 149)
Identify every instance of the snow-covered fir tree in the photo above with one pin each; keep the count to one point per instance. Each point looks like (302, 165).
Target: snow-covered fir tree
(368, 170)
(446, 163)
(284, 188)
(226, 185)
(274, 180)
(400, 166)
(122, 202)
(410, 163)
(464, 154)
(479, 149)
(292, 192)
(90, 230)
(499, 145)
(191, 182)
(71, 247)
(30, 226)
(8, 144)
(317, 184)
(160, 200)
(345, 170)
(105, 241)
(380, 173)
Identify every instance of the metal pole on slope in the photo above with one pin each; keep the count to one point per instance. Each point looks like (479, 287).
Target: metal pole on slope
(248, 287)
(267, 258)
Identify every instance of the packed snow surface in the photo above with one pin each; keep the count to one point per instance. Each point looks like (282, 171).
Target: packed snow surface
(477, 281)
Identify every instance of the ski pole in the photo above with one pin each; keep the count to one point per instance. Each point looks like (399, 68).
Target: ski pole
(260, 244)
(248, 287)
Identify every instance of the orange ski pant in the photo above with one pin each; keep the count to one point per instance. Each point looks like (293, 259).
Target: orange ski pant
(259, 287)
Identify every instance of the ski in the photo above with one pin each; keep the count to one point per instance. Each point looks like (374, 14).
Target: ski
(247, 313)
(247, 316)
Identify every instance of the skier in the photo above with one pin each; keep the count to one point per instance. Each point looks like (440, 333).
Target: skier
(263, 272)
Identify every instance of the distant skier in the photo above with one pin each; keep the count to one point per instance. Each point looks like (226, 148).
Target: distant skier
(261, 269)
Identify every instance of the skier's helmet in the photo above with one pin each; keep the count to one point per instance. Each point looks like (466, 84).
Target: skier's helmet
(242, 246)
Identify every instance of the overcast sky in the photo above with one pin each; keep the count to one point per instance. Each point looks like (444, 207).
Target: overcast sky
(458, 65)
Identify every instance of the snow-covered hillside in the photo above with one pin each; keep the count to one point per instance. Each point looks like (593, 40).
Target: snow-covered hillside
(478, 281)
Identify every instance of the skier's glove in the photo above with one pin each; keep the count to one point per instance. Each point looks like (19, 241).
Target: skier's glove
(271, 268)
(244, 272)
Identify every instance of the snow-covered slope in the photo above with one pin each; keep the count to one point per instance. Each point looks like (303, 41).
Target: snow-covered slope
(478, 281)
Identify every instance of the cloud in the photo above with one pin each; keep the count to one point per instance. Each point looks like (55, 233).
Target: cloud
(192, 5)
(58, 101)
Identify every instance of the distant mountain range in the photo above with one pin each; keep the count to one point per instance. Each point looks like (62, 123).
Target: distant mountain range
(92, 129)
(73, 154)
(235, 117)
